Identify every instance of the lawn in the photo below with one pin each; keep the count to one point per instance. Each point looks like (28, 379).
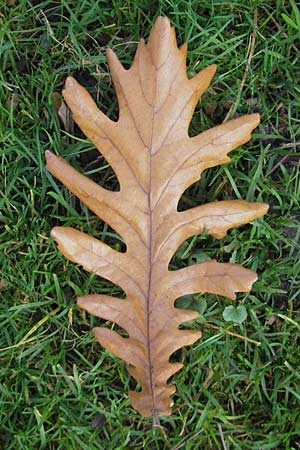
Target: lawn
(240, 387)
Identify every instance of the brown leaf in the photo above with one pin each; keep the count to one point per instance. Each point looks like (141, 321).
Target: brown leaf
(3, 283)
(65, 115)
(63, 112)
(155, 161)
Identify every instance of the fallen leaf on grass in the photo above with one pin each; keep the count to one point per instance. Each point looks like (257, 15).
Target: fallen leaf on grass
(155, 161)
(3, 284)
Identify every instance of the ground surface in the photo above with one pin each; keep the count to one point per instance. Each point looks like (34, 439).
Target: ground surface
(59, 390)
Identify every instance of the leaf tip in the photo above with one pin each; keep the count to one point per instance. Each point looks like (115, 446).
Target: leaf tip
(202, 79)
(162, 22)
(262, 208)
(51, 161)
(254, 119)
(54, 233)
(211, 69)
(252, 278)
(183, 49)
(80, 301)
(115, 65)
(209, 73)
(49, 155)
(109, 52)
(70, 84)
(59, 235)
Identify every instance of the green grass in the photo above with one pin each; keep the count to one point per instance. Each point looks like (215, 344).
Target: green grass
(59, 390)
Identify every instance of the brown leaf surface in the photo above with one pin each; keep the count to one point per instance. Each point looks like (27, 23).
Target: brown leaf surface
(155, 161)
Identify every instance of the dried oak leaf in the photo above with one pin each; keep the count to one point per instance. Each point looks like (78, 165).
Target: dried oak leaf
(155, 161)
